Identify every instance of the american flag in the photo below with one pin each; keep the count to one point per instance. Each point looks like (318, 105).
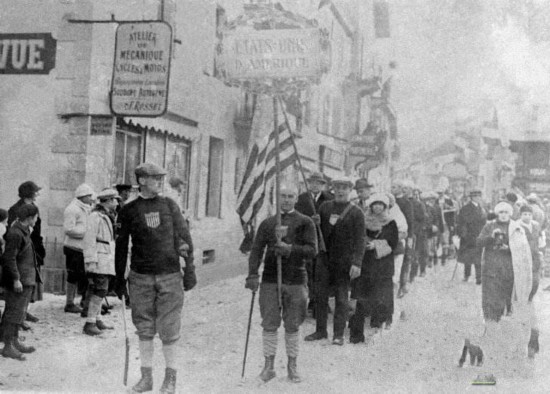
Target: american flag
(260, 171)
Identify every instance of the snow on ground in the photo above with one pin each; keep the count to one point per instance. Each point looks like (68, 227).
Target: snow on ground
(418, 355)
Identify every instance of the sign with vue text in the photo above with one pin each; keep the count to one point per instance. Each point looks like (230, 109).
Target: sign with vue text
(141, 70)
(27, 53)
(280, 53)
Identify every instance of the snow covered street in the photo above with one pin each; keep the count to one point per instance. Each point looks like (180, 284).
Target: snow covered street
(419, 354)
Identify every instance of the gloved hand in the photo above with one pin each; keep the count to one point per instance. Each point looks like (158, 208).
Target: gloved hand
(252, 282)
(283, 249)
(189, 277)
(183, 250)
(316, 219)
(120, 287)
(354, 272)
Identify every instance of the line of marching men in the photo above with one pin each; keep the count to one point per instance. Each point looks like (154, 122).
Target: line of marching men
(332, 243)
(329, 244)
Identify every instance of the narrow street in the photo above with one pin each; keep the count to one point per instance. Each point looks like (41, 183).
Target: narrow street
(418, 354)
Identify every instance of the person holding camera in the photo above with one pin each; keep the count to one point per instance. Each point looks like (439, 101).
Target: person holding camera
(159, 238)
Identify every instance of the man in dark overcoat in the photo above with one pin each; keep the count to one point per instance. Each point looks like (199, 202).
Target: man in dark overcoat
(471, 219)
(343, 230)
(308, 204)
(419, 219)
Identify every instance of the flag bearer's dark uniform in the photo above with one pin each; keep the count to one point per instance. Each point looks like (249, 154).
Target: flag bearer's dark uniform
(301, 239)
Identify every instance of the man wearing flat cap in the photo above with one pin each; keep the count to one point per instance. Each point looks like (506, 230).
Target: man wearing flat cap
(308, 204)
(343, 231)
(124, 191)
(99, 258)
(159, 238)
(471, 219)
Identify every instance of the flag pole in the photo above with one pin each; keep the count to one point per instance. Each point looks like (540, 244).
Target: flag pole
(277, 201)
(320, 240)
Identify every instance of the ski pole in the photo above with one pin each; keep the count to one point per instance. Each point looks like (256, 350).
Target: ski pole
(248, 332)
(127, 344)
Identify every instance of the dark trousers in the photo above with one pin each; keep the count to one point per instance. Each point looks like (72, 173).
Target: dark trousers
(327, 279)
(420, 254)
(16, 305)
(468, 270)
(310, 268)
(406, 267)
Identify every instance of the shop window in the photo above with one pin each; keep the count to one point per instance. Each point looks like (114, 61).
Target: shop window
(128, 153)
(325, 114)
(336, 118)
(173, 154)
(177, 163)
(215, 178)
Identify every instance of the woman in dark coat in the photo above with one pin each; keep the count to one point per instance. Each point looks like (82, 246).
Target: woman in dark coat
(506, 276)
(374, 288)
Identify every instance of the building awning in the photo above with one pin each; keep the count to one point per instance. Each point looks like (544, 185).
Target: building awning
(170, 123)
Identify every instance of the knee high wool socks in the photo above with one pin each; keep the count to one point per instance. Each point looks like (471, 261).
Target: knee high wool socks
(292, 343)
(146, 349)
(269, 340)
(94, 309)
(71, 293)
(170, 352)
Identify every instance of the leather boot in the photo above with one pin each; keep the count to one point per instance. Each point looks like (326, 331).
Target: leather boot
(104, 326)
(91, 329)
(268, 372)
(533, 346)
(10, 351)
(146, 382)
(19, 346)
(169, 383)
(292, 369)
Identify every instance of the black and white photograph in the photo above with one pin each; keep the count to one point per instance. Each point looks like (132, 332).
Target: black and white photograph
(275, 196)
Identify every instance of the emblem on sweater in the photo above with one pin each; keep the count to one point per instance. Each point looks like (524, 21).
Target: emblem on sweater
(152, 219)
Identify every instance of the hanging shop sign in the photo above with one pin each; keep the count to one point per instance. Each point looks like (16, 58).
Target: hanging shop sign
(455, 170)
(331, 157)
(141, 70)
(272, 53)
(101, 125)
(27, 53)
(268, 50)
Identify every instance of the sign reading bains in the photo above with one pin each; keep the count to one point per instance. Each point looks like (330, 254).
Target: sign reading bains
(141, 70)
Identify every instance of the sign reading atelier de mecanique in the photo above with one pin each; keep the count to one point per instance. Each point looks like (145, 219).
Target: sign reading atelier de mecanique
(27, 53)
(277, 53)
(141, 70)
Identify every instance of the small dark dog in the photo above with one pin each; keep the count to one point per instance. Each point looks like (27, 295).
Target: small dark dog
(476, 354)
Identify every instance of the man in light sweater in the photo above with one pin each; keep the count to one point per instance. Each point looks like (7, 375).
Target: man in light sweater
(74, 223)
